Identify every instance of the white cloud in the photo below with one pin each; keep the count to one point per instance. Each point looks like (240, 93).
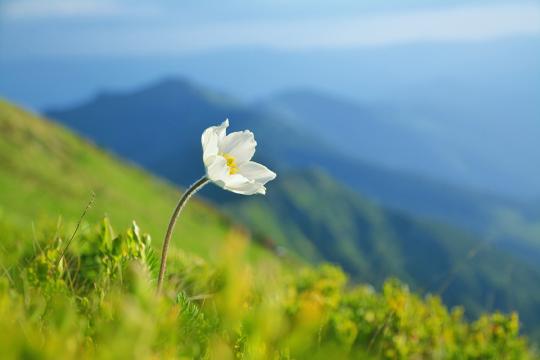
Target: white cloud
(458, 24)
(171, 32)
(54, 9)
(465, 23)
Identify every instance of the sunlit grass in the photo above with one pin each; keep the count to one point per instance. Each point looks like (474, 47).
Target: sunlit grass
(99, 301)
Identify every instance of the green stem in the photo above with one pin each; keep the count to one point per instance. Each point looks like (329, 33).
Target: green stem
(179, 207)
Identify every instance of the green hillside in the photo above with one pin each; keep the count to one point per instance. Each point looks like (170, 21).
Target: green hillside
(98, 301)
(48, 174)
(313, 215)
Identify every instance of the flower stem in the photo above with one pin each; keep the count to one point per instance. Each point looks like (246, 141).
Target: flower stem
(179, 207)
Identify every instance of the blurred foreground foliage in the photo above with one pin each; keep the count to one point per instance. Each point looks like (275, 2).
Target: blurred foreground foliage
(98, 301)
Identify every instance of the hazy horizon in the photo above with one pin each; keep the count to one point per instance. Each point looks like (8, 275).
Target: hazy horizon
(462, 74)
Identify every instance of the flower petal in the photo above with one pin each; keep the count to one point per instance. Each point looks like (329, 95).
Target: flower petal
(216, 168)
(211, 138)
(240, 145)
(239, 184)
(257, 172)
(246, 188)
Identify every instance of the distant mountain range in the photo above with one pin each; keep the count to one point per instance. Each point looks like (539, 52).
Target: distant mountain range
(165, 121)
(473, 105)
(328, 217)
(479, 151)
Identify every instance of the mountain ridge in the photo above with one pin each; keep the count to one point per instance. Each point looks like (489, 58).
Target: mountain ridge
(410, 138)
(163, 129)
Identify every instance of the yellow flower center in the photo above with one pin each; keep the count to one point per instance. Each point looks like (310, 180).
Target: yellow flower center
(231, 163)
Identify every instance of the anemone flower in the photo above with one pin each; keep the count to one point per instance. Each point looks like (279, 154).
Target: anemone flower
(227, 160)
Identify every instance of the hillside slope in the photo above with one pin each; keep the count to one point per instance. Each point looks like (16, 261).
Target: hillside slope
(48, 173)
(369, 132)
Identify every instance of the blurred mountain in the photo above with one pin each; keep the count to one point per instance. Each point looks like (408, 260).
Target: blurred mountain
(362, 131)
(159, 127)
(165, 121)
(458, 148)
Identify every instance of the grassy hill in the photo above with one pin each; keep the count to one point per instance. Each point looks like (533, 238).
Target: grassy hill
(47, 174)
(99, 301)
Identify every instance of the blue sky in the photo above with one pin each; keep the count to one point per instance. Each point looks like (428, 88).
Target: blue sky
(54, 28)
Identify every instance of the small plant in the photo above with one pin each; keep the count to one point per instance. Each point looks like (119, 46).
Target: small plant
(227, 160)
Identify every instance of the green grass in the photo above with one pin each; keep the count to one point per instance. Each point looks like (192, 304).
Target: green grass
(99, 302)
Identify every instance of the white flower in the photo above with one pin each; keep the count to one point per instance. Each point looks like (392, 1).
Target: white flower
(227, 161)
